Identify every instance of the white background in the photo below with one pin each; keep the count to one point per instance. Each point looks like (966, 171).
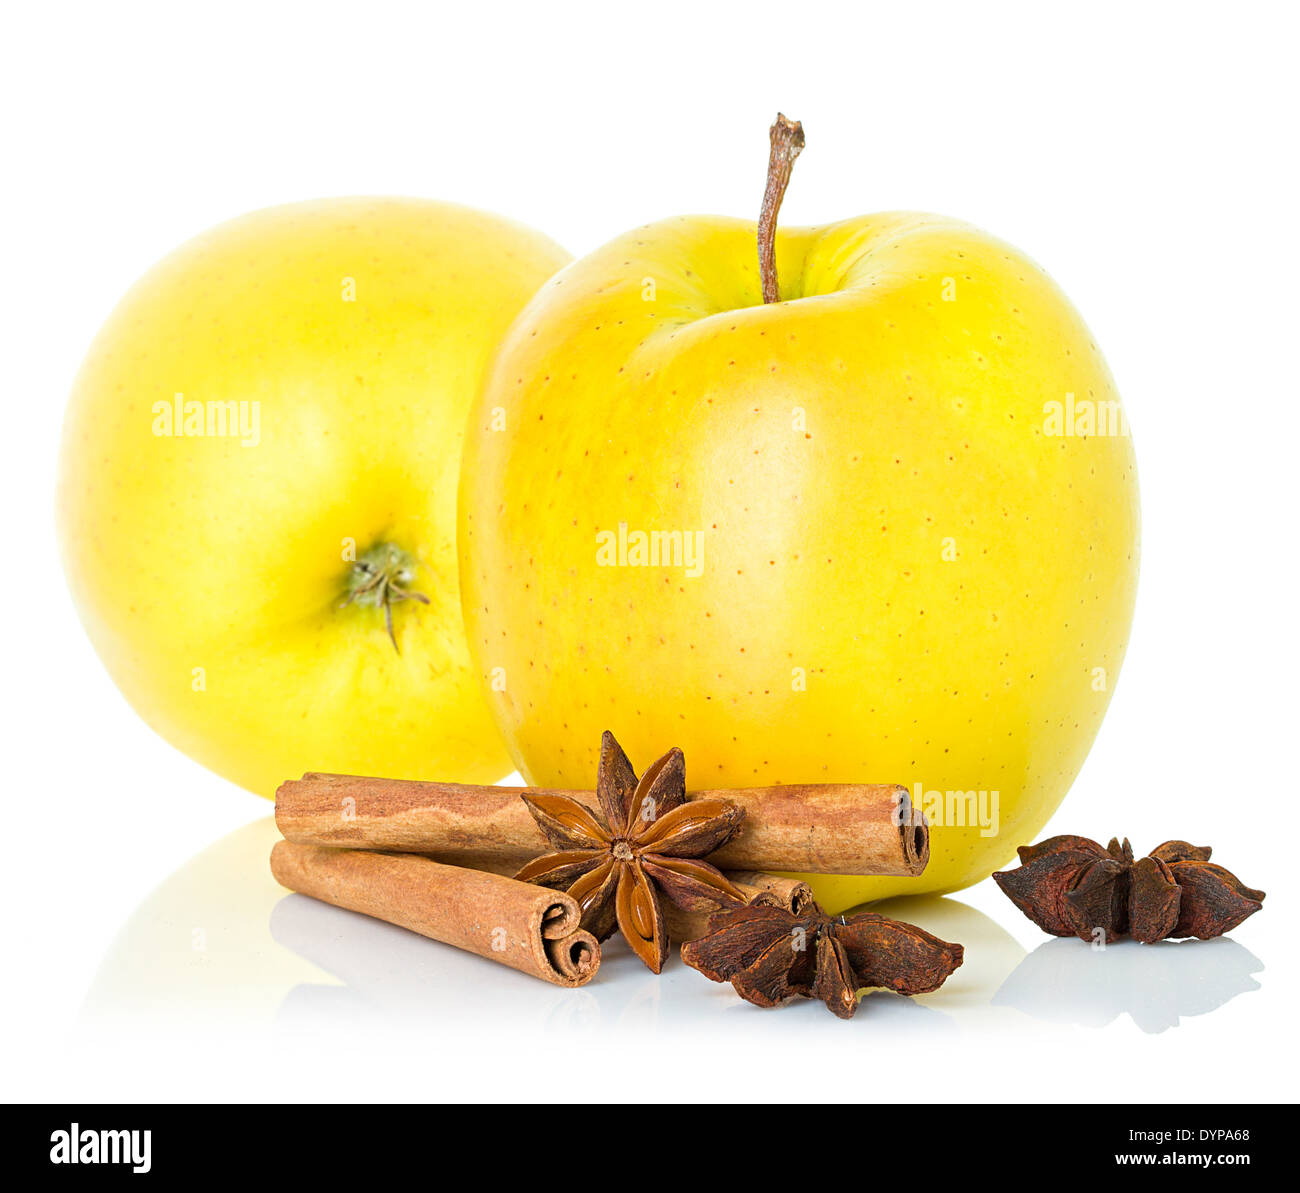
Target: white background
(1144, 153)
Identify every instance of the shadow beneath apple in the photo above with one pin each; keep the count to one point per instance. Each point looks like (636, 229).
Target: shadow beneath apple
(1068, 981)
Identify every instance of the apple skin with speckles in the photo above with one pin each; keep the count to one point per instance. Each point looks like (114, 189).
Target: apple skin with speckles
(210, 570)
(916, 552)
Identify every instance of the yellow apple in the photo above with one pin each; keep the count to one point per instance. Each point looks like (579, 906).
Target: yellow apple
(259, 471)
(893, 545)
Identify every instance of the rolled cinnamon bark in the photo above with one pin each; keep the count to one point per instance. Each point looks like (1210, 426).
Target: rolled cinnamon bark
(774, 890)
(789, 893)
(824, 828)
(526, 927)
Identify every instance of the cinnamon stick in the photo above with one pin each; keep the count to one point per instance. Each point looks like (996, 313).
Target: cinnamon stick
(777, 889)
(823, 828)
(526, 927)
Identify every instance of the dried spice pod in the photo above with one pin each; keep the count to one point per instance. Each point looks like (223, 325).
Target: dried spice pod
(770, 954)
(772, 890)
(1071, 886)
(646, 841)
(1047, 875)
(1214, 900)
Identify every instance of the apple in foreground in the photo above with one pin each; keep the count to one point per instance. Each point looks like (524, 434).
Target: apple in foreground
(880, 528)
(257, 487)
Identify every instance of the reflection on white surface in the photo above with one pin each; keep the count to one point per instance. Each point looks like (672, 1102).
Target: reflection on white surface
(197, 949)
(384, 975)
(1068, 981)
(219, 942)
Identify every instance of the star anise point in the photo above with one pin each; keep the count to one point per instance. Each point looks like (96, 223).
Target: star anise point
(770, 954)
(647, 841)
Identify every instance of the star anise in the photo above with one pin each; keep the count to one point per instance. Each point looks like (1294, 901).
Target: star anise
(1071, 886)
(645, 841)
(769, 954)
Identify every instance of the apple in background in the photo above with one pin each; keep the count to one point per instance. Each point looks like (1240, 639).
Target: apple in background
(884, 552)
(258, 485)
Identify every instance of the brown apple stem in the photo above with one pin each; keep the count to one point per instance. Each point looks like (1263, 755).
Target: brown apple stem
(787, 143)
